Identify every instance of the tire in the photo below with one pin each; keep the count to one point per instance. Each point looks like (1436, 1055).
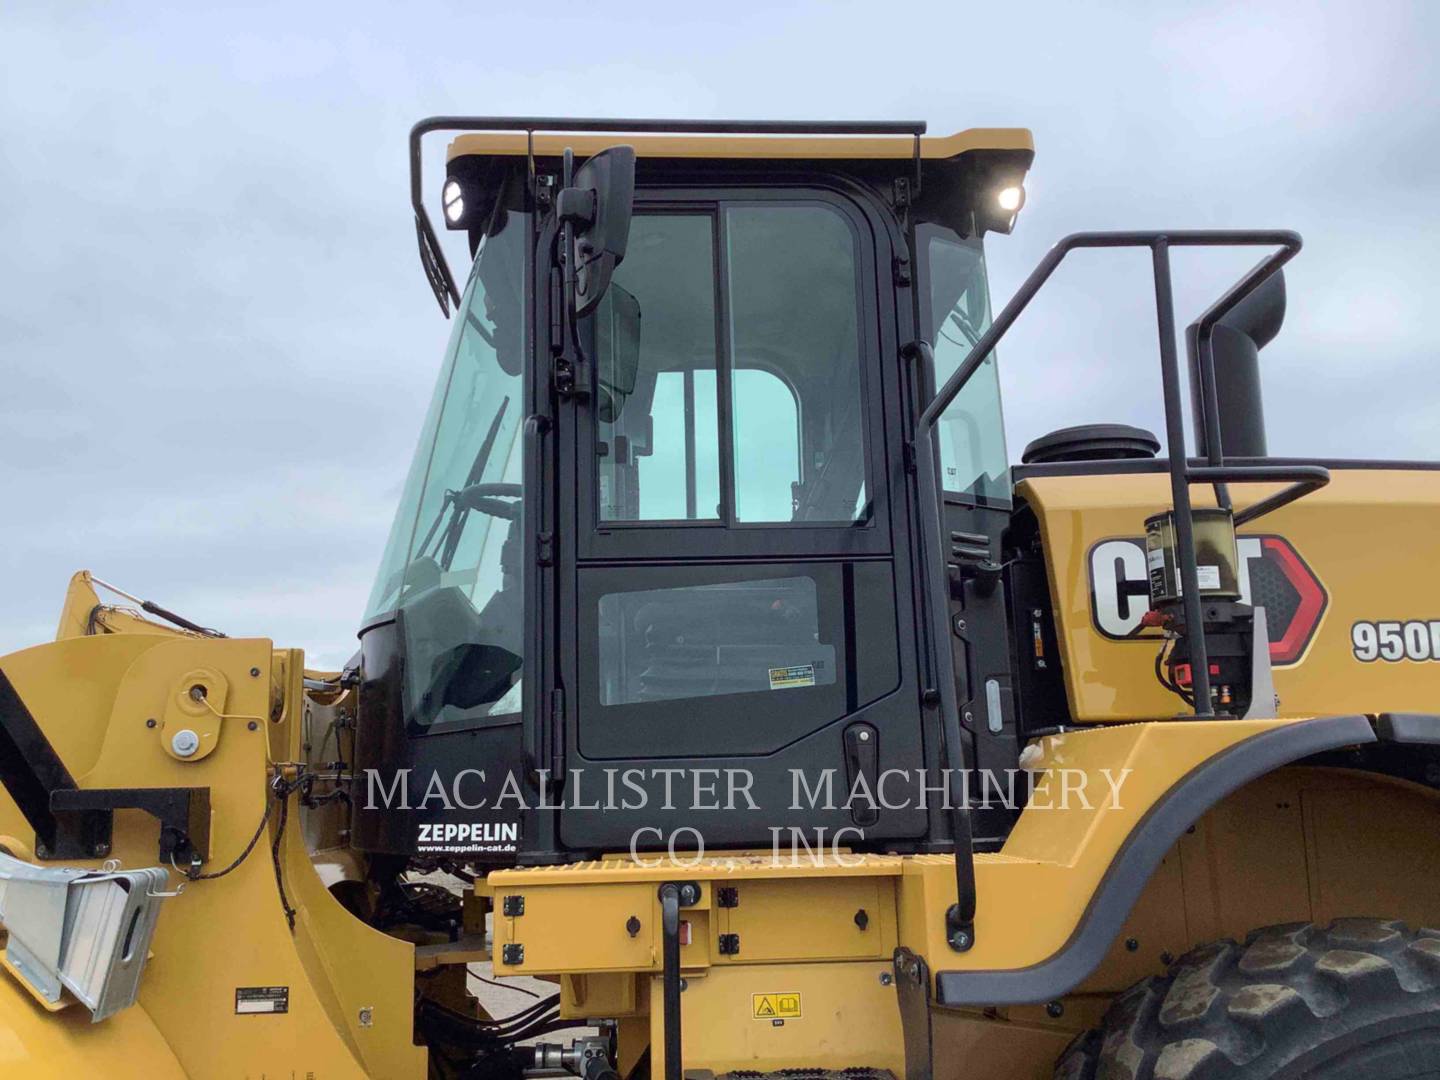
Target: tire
(1358, 999)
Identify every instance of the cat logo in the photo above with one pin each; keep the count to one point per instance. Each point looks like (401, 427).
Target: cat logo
(775, 1006)
(1271, 574)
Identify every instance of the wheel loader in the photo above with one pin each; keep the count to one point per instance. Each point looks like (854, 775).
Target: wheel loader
(731, 701)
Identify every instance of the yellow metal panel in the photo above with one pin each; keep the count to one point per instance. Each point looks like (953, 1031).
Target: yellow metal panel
(811, 918)
(38, 1045)
(1367, 536)
(849, 1016)
(719, 868)
(231, 932)
(772, 147)
(1033, 894)
(581, 930)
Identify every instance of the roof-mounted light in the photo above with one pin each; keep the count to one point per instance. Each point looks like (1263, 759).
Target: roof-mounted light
(1011, 198)
(453, 199)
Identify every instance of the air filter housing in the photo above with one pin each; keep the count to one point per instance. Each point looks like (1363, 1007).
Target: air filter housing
(1092, 442)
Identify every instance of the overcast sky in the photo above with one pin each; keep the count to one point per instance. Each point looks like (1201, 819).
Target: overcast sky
(216, 344)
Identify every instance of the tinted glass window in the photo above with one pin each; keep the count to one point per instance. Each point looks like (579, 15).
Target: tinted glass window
(705, 640)
(794, 314)
(658, 431)
(758, 420)
(452, 566)
(971, 433)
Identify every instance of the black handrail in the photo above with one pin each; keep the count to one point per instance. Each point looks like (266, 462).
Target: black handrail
(1306, 478)
(432, 258)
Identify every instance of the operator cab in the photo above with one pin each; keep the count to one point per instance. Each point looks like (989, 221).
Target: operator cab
(657, 561)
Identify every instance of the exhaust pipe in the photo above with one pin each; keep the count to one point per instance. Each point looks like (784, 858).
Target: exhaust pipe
(1231, 404)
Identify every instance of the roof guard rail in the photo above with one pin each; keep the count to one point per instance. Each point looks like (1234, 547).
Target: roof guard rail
(432, 257)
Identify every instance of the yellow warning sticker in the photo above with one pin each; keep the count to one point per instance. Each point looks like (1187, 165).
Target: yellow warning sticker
(782, 678)
(775, 1006)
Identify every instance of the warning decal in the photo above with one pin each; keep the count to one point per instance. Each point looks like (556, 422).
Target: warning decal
(775, 1006)
(782, 678)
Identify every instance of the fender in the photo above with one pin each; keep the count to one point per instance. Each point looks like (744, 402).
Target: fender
(1158, 830)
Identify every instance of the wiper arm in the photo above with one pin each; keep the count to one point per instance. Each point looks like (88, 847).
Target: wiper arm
(460, 513)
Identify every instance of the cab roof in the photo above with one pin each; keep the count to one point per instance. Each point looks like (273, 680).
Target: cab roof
(750, 147)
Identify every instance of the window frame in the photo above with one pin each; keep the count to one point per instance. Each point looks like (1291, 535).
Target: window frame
(724, 536)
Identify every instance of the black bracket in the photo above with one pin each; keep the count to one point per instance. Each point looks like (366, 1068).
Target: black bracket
(76, 823)
(912, 991)
(673, 896)
(82, 814)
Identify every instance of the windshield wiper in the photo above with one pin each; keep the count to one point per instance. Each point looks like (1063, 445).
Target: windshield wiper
(460, 511)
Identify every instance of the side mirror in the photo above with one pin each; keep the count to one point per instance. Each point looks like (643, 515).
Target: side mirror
(1235, 343)
(595, 208)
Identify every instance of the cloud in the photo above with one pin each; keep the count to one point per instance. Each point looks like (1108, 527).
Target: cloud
(216, 346)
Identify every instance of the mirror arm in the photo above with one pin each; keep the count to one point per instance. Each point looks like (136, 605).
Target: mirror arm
(571, 376)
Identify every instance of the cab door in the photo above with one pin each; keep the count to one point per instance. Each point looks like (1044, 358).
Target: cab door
(734, 586)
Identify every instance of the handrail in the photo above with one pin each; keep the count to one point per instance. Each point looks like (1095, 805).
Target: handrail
(432, 258)
(1306, 479)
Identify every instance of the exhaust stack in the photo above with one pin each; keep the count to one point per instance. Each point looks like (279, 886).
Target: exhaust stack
(1235, 343)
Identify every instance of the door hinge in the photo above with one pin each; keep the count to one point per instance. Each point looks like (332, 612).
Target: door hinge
(729, 944)
(900, 265)
(545, 548)
(909, 458)
(727, 896)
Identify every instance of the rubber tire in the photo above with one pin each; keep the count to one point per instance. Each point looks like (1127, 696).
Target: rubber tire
(1359, 998)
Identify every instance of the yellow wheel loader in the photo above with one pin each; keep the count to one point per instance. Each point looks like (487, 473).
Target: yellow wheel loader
(730, 702)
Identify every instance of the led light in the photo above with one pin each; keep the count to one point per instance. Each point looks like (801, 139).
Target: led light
(454, 201)
(1011, 198)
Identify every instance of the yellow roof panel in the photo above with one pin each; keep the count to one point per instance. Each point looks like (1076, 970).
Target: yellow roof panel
(758, 147)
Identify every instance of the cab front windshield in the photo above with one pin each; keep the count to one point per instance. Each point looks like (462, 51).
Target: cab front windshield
(452, 572)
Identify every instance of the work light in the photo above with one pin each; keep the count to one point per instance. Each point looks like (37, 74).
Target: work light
(453, 200)
(1011, 198)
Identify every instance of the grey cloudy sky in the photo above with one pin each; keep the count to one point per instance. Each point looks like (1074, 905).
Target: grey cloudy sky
(216, 344)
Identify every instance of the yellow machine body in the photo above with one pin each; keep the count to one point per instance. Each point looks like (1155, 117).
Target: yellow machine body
(1366, 537)
(811, 979)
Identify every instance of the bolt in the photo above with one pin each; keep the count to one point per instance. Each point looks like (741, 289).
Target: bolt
(1167, 958)
(41, 851)
(254, 672)
(969, 717)
(1131, 944)
(684, 985)
(632, 926)
(367, 1016)
(150, 723)
(101, 850)
(197, 692)
(864, 736)
(185, 743)
(252, 725)
(1055, 1009)
(886, 978)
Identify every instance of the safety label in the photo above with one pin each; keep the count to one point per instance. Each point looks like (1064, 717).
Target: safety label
(775, 1006)
(782, 678)
(262, 999)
